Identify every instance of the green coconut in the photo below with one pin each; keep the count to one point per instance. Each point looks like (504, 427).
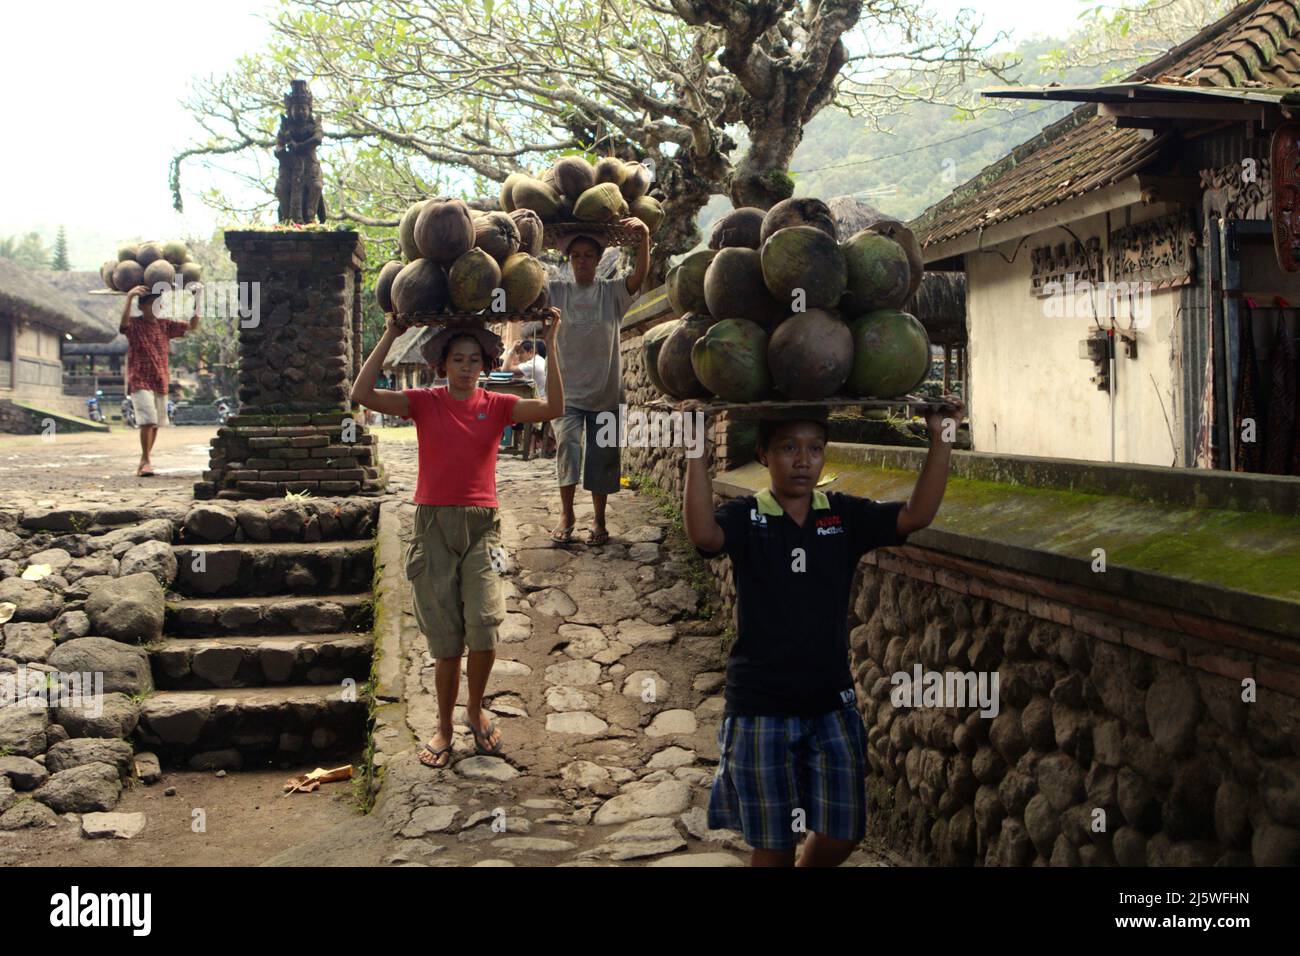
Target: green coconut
(907, 239)
(734, 288)
(878, 273)
(636, 181)
(741, 227)
(531, 231)
(602, 203)
(406, 230)
(649, 211)
(538, 196)
(106, 272)
(675, 369)
(128, 253)
(472, 279)
(810, 354)
(421, 286)
(651, 345)
(191, 272)
(505, 196)
(384, 285)
(176, 252)
(804, 258)
(891, 354)
(804, 211)
(685, 282)
(127, 275)
(730, 360)
(444, 231)
(523, 278)
(574, 176)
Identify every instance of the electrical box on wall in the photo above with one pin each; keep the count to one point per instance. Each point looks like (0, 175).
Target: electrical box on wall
(1097, 348)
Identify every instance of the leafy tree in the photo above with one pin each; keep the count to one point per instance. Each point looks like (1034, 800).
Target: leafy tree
(29, 251)
(456, 95)
(60, 261)
(211, 352)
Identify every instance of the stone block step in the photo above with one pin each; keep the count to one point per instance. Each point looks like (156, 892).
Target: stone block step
(284, 567)
(249, 661)
(261, 724)
(316, 519)
(278, 614)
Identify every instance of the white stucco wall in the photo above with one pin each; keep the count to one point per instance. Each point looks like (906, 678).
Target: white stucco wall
(1029, 390)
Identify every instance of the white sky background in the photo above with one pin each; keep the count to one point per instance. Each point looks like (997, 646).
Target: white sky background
(92, 114)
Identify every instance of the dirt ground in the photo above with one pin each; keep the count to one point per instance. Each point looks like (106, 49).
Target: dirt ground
(245, 821)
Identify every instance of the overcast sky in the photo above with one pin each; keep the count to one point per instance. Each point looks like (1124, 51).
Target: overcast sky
(92, 112)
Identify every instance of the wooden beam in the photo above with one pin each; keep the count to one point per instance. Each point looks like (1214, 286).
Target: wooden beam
(1186, 111)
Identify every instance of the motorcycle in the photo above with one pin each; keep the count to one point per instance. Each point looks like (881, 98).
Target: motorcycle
(225, 408)
(128, 412)
(171, 408)
(93, 411)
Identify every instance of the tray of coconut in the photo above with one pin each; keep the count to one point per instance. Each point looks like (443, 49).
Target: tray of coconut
(791, 408)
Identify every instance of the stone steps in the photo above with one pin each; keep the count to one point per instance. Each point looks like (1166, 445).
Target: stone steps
(262, 724)
(252, 661)
(270, 615)
(280, 567)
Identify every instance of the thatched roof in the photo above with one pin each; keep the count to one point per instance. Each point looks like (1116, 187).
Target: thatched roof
(108, 308)
(28, 295)
(851, 215)
(406, 349)
(940, 304)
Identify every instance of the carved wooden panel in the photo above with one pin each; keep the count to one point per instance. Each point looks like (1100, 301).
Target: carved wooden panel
(1285, 157)
(1053, 267)
(1158, 251)
(1247, 187)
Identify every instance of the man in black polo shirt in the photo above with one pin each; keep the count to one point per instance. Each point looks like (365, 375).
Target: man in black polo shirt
(793, 748)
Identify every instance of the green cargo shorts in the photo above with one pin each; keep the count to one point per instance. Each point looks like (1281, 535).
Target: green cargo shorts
(456, 590)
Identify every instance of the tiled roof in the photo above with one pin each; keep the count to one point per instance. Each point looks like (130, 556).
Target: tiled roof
(1255, 43)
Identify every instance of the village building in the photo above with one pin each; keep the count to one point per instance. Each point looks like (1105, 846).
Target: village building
(93, 367)
(1121, 263)
(37, 321)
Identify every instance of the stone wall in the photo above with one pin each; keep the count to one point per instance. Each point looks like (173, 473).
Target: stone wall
(16, 419)
(1121, 737)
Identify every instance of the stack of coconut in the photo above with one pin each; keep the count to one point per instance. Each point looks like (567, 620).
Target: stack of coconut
(574, 190)
(463, 260)
(777, 307)
(150, 264)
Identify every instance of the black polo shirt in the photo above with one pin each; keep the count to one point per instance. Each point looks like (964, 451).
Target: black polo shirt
(791, 653)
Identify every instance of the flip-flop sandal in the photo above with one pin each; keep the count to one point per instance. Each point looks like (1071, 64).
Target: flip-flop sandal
(434, 755)
(596, 538)
(480, 737)
(562, 537)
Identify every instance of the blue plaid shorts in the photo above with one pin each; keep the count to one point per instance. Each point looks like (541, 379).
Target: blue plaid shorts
(771, 767)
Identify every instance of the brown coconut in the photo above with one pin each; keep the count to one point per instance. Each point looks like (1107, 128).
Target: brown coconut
(675, 369)
(497, 235)
(636, 181)
(421, 286)
(804, 211)
(574, 176)
(384, 285)
(444, 231)
(741, 227)
(406, 230)
(531, 231)
(611, 169)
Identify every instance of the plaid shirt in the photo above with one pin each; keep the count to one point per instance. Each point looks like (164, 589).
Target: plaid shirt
(146, 357)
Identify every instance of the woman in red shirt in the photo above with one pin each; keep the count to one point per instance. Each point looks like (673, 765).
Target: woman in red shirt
(455, 551)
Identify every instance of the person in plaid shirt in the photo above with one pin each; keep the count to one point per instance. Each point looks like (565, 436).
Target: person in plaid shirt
(147, 338)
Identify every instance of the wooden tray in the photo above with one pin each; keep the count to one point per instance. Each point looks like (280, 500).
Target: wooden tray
(776, 406)
(104, 292)
(611, 233)
(406, 320)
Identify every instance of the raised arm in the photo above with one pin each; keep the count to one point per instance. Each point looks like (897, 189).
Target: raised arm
(642, 268)
(927, 495)
(552, 406)
(702, 528)
(126, 309)
(363, 388)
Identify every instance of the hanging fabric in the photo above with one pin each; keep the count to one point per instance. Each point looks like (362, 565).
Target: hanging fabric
(1207, 452)
(1246, 407)
(1282, 401)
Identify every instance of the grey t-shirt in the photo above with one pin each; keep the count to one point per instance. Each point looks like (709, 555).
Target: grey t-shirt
(588, 337)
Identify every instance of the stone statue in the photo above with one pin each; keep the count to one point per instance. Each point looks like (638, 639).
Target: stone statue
(300, 185)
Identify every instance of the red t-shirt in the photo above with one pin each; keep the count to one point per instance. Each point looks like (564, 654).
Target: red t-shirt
(458, 444)
(146, 355)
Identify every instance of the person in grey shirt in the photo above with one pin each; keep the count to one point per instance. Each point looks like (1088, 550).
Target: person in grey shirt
(593, 375)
